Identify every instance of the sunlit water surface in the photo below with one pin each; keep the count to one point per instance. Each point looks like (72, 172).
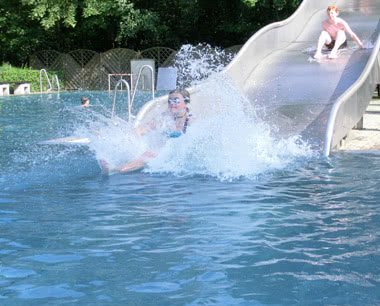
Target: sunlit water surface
(292, 229)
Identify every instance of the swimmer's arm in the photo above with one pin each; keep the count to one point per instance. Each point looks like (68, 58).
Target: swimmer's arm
(142, 130)
(352, 34)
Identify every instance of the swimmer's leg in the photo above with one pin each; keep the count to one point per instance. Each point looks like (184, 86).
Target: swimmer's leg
(340, 39)
(324, 39)
(129, 167)
(137, 164)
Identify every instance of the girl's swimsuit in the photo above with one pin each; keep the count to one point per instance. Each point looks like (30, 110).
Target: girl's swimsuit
(173, 134)
(176, 134)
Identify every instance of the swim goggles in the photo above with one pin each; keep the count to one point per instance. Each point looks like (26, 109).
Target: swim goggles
(174, 101)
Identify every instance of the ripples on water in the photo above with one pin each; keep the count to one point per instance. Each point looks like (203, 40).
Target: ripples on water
(303, 234)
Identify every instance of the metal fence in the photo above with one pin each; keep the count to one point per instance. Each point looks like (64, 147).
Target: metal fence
(87, 69)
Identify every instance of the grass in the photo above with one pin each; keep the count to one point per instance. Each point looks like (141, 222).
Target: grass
(14, 75)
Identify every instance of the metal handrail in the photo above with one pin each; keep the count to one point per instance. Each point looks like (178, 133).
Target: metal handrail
(47, 79)
(138, 79)
(130, 101)
(131, 97)
(55, 78)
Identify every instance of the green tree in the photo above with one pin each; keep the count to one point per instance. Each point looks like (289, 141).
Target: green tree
(116, 20)
(18, 34)
(27, 26)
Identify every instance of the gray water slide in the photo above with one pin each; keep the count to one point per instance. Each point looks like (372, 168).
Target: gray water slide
(319, 100)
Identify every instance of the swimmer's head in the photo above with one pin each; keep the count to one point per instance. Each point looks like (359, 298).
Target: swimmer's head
(85, 102)
(177, 101)
(183, 92)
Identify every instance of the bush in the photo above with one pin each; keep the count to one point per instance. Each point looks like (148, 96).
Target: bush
(13, 75)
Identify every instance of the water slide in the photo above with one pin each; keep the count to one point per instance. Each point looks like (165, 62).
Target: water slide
(319, 100)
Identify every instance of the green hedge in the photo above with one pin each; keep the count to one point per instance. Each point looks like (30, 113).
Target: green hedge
(13, 75)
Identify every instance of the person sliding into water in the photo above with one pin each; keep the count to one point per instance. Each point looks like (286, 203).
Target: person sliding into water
(333, 35)
(179, 119)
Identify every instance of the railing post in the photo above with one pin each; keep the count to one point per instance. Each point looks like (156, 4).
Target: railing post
(47, 79)
(138, 78)
(130, 101)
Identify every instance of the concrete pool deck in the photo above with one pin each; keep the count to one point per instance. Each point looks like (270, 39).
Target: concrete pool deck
(368, 138)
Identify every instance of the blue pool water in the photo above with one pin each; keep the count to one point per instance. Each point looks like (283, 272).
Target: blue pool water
(298, 229)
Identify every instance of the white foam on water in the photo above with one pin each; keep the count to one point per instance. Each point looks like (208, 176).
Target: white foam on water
(113, 140)
(226, 139)
(229, 142)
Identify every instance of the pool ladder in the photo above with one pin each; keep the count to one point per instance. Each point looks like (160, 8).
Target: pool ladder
(43, 73)
(129, 96)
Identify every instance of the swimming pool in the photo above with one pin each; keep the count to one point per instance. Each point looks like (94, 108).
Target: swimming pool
(299, 231)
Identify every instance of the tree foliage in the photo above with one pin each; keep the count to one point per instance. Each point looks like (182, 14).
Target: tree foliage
(27, 26)
(49, 12)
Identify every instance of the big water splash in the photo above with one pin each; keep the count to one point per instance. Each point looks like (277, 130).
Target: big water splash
(227, 139)
(229, 142)
(197, 63)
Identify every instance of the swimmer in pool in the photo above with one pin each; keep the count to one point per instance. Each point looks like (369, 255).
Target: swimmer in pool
(333, 35)
(179, 118)
(85, 102)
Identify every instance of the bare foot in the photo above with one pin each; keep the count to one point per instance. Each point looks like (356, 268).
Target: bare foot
(318, 55)
(104, 166)
(333, 55)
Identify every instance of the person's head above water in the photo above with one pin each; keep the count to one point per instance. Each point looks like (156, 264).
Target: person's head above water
(177, 101)
(183, 92)
(85, 102)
